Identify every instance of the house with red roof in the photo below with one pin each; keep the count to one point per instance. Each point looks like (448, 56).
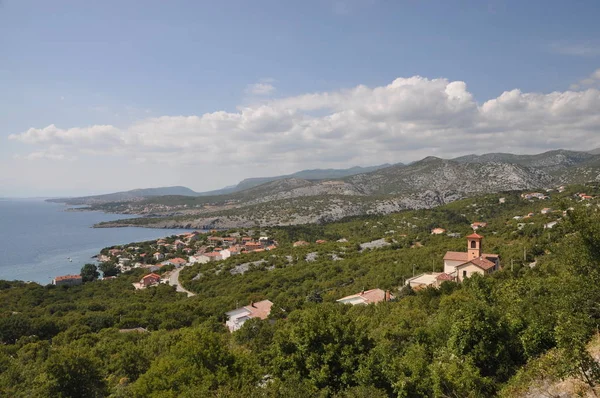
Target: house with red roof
(461, 265)
(213, 256)
(372, 296)
(67, 280)
(237, 317)
(177, 261)
(150, 279)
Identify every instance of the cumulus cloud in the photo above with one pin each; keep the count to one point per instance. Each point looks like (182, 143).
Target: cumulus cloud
(405, 120)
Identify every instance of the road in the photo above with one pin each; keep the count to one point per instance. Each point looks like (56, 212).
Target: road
(174, 281)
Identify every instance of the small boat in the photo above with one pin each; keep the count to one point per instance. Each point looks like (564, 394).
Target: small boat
(70, 260)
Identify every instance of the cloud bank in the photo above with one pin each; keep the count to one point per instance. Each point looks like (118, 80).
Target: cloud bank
(405, 120)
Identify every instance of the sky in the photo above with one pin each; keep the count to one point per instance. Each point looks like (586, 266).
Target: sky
(103, 96)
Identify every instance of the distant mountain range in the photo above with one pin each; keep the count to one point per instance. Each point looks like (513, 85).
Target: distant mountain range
(140, 194)
(423, 184)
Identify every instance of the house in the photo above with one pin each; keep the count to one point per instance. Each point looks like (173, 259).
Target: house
(546, 210)
(199, 258)
(67, 280)
(461, 265)
(320, 241)
(502, 200)
(550, 225)
(229, 240)
(476, 225)
(178, 245)
(234, 250)
(158, 256)
(300, 243)
(437, 231)
(213, 256)
(214, 240)
(434, 279)
(177, 261)
(253, 246)
(372, 296)
(237, 317)
(225, 254)
(150, 279)
(124, 261)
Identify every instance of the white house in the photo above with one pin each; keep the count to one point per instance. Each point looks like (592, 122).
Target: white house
(372, 296)
(237, 317)
(202, 259)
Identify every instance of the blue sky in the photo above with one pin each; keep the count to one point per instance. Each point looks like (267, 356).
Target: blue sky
(101, 96)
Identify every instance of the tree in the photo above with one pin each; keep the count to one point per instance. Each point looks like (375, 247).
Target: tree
(109, 269)
(89, 272)
(73, 374)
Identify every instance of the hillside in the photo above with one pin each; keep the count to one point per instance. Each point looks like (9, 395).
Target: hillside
(523, 331)
(425, 184)
(125, 196)
(141, 194)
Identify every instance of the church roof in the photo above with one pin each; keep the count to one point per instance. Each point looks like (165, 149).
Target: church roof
(457, 256)
(480, 262)
(464, 256)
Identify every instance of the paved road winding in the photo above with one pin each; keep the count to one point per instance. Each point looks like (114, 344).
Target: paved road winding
(174, 281)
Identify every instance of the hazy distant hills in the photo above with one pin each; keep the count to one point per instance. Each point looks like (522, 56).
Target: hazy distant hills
(135, 194)
(423, 184)
(140, 194)
(323, 195)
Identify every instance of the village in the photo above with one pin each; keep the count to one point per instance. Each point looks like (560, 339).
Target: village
(165, 257)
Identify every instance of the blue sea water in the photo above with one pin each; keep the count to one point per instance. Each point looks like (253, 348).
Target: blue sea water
(37, 238)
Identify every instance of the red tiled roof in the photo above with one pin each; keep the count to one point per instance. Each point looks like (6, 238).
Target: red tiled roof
(464, 256)
(67, 277)
(474, 236)
(456, 256)
(152, 275)
(370, 296)
(444, 277)
(178, 260)
(481, 262)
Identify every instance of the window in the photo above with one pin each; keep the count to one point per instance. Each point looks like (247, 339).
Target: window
(473, 244)
(464, 273)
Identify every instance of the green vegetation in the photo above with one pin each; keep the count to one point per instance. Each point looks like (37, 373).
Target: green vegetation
(488, 336)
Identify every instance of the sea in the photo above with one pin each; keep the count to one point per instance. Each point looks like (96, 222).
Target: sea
(37, 238)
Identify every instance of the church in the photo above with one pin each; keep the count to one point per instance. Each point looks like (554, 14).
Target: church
(461, 265)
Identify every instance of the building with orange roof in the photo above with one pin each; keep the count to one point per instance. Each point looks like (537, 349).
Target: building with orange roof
(67, 280)
(372, 296)
(236, 318)
(461, 265)
(150, 279)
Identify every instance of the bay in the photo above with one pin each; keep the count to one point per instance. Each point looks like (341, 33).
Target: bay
(37, 238)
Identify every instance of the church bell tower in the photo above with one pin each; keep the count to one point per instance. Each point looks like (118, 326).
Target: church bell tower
(474, 246)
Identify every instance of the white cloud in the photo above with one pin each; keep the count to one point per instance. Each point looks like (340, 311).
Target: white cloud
(261, 88)
(403, 121)
(592, 80)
